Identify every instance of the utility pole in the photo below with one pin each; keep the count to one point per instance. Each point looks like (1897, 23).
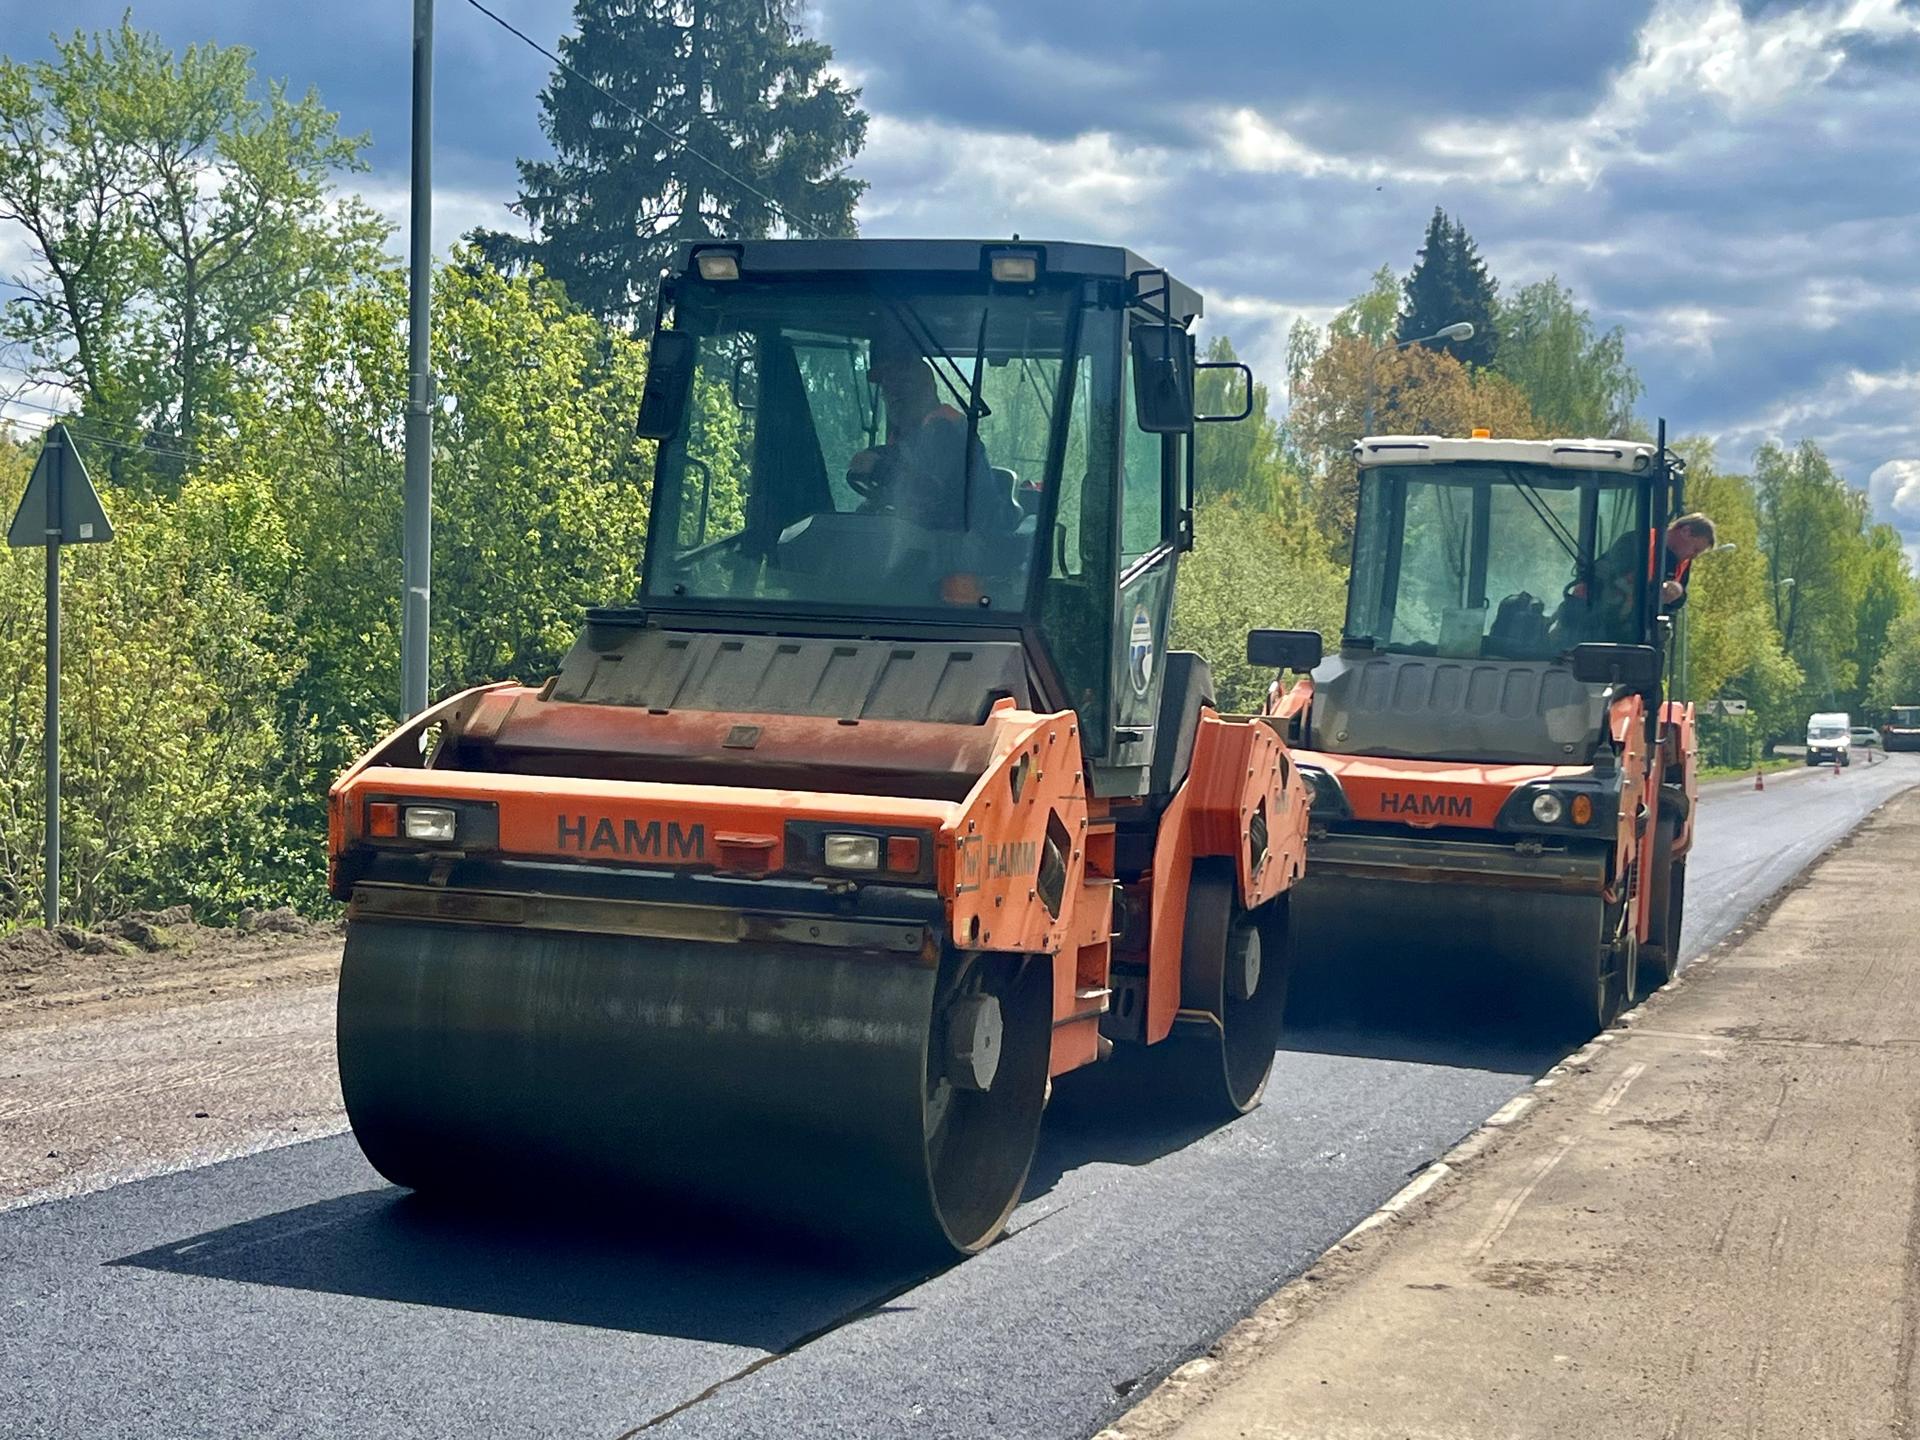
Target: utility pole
(416, 599)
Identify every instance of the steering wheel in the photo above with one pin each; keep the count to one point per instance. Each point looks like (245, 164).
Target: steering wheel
(877, 479)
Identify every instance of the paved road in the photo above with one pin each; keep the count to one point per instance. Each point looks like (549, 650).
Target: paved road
(292, 1293)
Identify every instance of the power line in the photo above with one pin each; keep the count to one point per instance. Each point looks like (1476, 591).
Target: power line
(677, 141)
(82, 426)
(93, 437)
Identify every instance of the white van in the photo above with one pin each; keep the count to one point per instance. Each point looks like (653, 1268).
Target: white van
(1830, 739)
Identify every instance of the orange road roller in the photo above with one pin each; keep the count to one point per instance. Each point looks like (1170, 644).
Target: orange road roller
(883, 803)
(1502, 781)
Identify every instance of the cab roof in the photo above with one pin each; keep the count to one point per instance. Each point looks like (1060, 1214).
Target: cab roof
(1626, 456)
(959, 257)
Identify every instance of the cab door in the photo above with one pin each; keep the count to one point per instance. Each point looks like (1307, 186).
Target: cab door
(1152, 476)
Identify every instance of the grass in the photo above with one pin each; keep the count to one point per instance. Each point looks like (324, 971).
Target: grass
(1768, 766)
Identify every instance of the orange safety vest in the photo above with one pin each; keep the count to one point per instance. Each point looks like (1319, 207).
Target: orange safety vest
(1653, 560)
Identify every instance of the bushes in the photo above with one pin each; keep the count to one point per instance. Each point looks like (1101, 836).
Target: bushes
(1252, 569)
(169, 751)
(236, 645)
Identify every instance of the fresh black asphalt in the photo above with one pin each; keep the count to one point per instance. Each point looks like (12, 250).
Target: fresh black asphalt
(293, 1293)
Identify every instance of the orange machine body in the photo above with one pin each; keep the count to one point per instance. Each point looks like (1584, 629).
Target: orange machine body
(994, 820)
(1458, 803)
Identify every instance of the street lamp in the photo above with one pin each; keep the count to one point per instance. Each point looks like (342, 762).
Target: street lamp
(1459, 330)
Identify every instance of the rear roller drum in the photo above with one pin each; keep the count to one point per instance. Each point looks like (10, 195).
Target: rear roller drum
(1660, 956)
(858, 1094)
(1233, 999)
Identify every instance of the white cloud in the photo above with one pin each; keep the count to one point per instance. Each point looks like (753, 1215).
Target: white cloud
(1690, 53)
(1250, 142)
(1895, 490)
(931, 178)
(455, 212)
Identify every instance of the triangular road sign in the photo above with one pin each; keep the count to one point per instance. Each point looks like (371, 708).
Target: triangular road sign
(60, 505)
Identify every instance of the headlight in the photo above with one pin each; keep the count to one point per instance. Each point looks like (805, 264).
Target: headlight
(428, 822)
(1547, 808)
(851, 852)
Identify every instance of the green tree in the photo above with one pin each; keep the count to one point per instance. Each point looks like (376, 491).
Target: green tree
(1886, 597)
(759, 118)
(171, 209)
(169, 746)
(1810, 527)
(540, 495)
(1733, 649)
(1896, 679)
(1578, 381)
(1251, 569)
(1450, 283)
(1244, 458)
(1373, 314)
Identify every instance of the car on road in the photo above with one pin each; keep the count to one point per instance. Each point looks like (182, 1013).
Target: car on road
(1865, 737)
(1830, 739)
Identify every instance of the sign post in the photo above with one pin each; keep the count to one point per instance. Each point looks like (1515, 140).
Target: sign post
(59, 508)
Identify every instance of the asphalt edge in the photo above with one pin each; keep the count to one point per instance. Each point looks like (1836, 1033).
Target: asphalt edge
(1190, 1386)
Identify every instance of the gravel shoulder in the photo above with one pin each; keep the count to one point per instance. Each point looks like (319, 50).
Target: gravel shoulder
(1708, 1226)
(153, 1044)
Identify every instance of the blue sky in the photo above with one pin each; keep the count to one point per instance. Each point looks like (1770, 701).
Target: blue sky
(1738, 185)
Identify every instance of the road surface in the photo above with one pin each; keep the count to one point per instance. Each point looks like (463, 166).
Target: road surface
(292, 1292)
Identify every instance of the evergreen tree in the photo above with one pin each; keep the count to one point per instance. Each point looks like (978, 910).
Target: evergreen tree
(757, 119)
(1450, 283)
(1578, 379)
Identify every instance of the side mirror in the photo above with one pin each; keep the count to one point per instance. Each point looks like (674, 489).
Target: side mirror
(1162, 379)
(1284, 649)
(1635, 667)
(663, 404)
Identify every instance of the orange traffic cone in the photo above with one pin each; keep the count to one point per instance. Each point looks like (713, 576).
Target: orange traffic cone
(1759, 778)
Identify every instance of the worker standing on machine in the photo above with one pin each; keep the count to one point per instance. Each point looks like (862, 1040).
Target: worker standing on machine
(920, 472)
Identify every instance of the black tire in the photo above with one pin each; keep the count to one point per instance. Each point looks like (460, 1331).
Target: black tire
(1235, 966)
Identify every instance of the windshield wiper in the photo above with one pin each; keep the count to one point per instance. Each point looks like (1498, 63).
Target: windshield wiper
(1556, 527)
(953, 378)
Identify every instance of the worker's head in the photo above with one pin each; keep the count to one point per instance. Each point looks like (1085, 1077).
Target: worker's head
(1690, 535)
(899, 371)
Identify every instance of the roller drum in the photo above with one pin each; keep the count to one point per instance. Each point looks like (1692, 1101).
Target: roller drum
(1534, 960)
(802, 1084)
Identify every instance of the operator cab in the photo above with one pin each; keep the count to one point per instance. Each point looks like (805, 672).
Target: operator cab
(959, 470)
(1478, 566)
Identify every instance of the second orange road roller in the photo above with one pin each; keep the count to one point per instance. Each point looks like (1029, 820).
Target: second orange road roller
(1503, 784)
(885, 801)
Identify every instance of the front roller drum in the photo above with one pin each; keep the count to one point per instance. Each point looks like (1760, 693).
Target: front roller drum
(855, 1094)
(1552, 966)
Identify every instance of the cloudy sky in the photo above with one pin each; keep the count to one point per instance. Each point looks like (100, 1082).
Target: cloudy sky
(1736, 182)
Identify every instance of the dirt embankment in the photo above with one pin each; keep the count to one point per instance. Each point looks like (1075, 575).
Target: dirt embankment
(150, 958)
